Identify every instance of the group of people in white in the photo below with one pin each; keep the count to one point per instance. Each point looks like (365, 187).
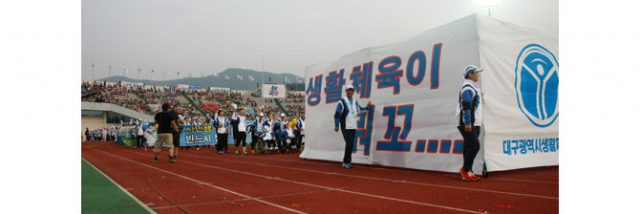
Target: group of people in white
(276, 133)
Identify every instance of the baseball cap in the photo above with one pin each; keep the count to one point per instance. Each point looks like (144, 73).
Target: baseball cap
(349, 87)
(471, 69)
(282, 115)
(261, 114)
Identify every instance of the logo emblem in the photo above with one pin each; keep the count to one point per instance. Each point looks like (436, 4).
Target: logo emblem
(537, 85)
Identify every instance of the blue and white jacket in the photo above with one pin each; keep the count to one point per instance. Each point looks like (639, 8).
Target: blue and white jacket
(227, 124)
(300, 125)
(347, 113)
(468, 103)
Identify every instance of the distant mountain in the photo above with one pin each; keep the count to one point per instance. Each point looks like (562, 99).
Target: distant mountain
(233, 82)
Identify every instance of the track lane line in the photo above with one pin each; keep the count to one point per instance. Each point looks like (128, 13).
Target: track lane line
(206, 184)
(383, 179)
(314, 185)
(371, 167)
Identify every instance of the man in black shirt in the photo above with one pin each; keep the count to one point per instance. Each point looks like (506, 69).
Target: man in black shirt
(166, 126)
(176, 135)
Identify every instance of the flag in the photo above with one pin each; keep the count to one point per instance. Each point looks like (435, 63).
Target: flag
(178, 73)
(226, 77)
(92, 65)
(139, 70)
(109, 65)
(286, 79)
(299, 80)
(239, 77)
(251, 78)
(151, 70)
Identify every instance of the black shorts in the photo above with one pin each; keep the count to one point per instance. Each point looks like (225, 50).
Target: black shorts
(176, 139)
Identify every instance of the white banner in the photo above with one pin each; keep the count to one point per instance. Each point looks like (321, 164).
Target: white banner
(219, 89)
(520, 86)
(413, 86)
(183, 86)
(274, 91)
(132, 84)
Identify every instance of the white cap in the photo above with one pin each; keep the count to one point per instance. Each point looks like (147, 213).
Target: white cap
(261, 114)
(282, 115)
(234, 105)
(471, 69)
(349, 87)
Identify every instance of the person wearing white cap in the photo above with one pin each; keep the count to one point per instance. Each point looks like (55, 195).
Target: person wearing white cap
(346, 118)
(222, 126)
(240, 136)
(279, 128)
(468, 102)
(257, 128)
(267, 136)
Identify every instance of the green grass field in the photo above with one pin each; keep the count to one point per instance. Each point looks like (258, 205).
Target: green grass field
(100, 195)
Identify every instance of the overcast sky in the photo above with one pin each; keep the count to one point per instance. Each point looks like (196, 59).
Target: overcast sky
(209, 36)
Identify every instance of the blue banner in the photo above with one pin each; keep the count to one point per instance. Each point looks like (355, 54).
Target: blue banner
(197, 135)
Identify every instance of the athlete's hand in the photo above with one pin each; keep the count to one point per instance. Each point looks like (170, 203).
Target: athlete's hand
(468, 128)
(369, 104)
(336, 129)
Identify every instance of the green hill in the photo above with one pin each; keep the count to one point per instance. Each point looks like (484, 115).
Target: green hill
(212, 81)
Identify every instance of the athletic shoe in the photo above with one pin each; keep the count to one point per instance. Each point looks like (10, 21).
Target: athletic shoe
(270, 148)
(198, 148)
(172, 159)
(155, 159)
(346, 165)
(237, 152)
(468, 176)
(472, 176)
(244, 153)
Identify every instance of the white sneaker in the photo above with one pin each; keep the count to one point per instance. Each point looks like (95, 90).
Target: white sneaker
(197, 148)
(270, 148)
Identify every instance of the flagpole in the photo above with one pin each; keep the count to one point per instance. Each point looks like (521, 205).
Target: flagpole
(109, 68)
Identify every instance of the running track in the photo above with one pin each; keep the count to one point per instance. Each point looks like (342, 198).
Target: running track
(204, 182)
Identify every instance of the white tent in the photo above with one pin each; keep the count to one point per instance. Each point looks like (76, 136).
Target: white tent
(414, 86)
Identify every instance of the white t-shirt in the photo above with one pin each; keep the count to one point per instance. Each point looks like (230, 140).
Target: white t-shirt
(222, 121)
(290, 133)
(242, 123)
(267, 136)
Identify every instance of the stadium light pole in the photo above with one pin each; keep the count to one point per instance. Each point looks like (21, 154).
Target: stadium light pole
(488, 4)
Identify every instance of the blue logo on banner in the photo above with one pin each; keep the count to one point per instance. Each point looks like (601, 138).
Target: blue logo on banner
(537, 85)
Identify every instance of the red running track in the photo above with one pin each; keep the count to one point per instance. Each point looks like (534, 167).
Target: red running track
(205, 182)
